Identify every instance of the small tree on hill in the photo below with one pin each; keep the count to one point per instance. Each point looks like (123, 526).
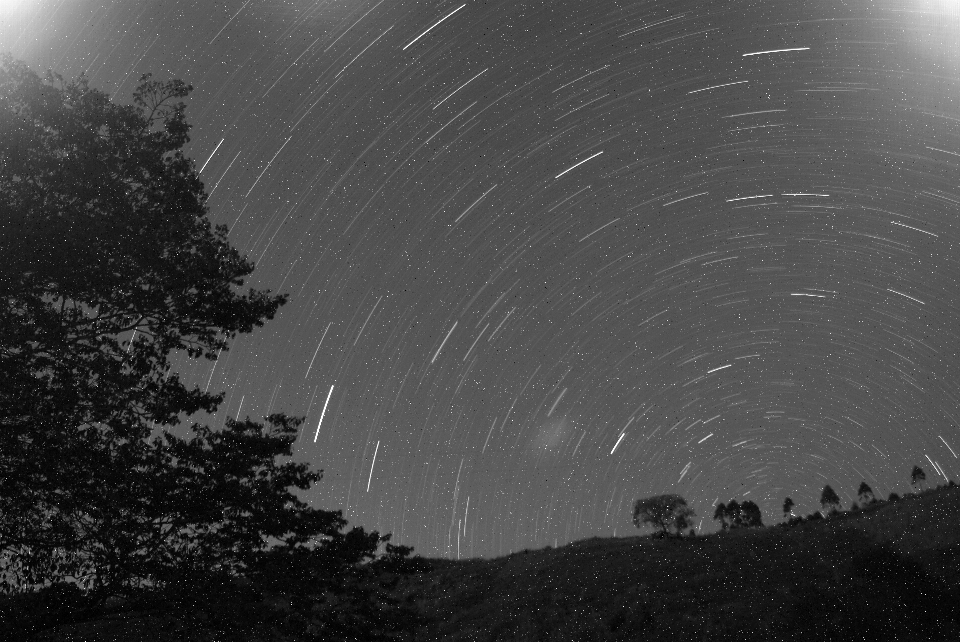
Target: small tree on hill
(750, 515)
(865, 494)
(787, 507)
(664, 512)
(734, 514)
(894, 497)
(721, 514)
(829, 500)
(917, 475)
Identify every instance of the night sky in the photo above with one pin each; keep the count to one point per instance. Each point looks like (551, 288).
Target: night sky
(546, 258)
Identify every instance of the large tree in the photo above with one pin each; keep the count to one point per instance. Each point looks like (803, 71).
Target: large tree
(665, 512)
(110, 268)
(110, 265)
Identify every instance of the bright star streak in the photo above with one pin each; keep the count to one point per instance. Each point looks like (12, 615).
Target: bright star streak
(577, 165)
(322, 414)
(372, 465)
(759, 53)
(434, 25)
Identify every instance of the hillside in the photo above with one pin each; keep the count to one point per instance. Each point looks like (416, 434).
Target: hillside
(881, 573)
(889, 572)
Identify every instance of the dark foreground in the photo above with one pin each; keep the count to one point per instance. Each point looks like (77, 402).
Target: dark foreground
(889, 572)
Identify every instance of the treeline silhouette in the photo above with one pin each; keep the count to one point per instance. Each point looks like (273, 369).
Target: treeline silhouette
(670, 515)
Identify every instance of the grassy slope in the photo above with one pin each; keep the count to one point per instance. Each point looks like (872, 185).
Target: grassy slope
(829, 579)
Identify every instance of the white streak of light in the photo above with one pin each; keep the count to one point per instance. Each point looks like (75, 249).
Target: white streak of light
(916, 229)
(351, 26)
(584, 76)
(753, 113)
(710, 419)
(578, 164)
(744, 198)
(705, 438)
(467, 211)
(229, 21)
(720, 368)
(490, 432)
(948, 446)
(367, 321)
(225, 173)
(906, 295)
(461, 87)
(935, 467)
(317, 350)
(685, 469)
(373, 464)
(322, 413)
(739, 82)
(758, 53)
(364, 51)
(622, 435)
(944, 151)
(268, 166)
(211, 155)
(241, 406)
(444, 341)
(433, 25)
(215, 363)
(554, 406)
(598, 229)
(685, 198)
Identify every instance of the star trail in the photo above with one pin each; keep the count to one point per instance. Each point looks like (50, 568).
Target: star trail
(546, 258)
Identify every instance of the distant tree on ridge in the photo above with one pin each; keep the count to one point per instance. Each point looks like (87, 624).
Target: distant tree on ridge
(829, 500)
(916, 475)
(787, 507)
(665, 512)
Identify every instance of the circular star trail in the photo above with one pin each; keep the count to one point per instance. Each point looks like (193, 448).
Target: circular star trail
(545, 258)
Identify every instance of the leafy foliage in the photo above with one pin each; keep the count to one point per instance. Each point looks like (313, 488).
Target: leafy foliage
(111, 265)
(664, 512)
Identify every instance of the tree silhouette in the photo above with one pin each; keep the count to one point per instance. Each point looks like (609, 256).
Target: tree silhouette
(721, 514)
(733, 514)
(829, 500)
(110, 265)
(787, 507)
(663, 512)
(917, 475)
(894, 497)
(865, 494)
(751, 517)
